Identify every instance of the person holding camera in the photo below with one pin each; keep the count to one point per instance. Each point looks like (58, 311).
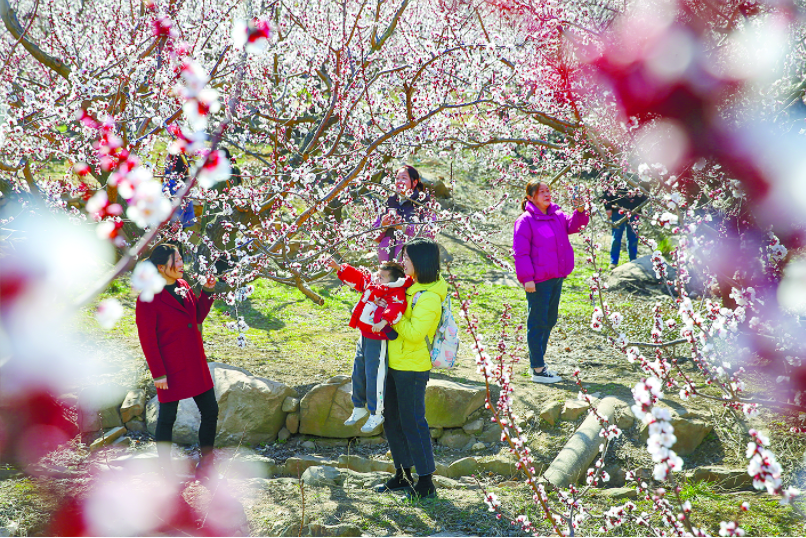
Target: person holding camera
(406, 205)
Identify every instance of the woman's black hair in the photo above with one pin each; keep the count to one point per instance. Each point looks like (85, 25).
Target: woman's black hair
(163, 253)
(424, 256)
(414, 175)
(176, 165)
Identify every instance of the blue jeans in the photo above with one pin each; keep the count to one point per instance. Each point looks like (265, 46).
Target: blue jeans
(618, 233)
(404, 421)
(542, 307)
(369, 374)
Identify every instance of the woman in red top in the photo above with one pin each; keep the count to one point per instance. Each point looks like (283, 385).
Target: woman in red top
(168, 327)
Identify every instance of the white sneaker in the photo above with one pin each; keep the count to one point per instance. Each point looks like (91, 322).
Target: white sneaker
(358, 414)
(372, 422)
(546, 376)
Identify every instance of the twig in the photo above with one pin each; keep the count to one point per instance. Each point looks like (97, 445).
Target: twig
(664, 344)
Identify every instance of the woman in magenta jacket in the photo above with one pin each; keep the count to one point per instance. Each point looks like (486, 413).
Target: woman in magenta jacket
(543, 258)
(168, 327)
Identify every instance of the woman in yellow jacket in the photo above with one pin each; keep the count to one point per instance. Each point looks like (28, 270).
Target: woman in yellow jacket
(409, 365)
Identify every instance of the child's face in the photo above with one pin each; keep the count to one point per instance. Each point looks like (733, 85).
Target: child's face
(384, 277)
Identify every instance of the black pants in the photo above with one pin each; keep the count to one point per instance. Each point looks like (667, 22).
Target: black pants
(406, 427)
(208, 407)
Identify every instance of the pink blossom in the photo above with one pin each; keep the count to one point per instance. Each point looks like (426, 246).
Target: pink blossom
(149, 207)
(147, 281)
(108, 313)
(216, 168)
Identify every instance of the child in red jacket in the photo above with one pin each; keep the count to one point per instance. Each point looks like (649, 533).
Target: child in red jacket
(375, 323)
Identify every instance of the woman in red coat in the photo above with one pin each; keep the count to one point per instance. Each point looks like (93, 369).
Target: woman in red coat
(168, 327)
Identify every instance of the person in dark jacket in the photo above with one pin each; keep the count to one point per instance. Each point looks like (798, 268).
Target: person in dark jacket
(408, 205)
(168, 327)
(176, 170)
(618, 202)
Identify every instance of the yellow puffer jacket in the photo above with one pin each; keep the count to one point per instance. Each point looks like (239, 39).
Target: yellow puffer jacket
(409, 351)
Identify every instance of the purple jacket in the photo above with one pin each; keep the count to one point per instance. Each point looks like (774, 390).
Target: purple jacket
(540, 243)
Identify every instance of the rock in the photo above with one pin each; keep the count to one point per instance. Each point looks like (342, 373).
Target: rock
(294, 467)
(690, 431)
(723, 477)
(360, 464)
(524, 420)
(356, 463)
(474, 427)
(291, 405)
(108, 437)
(365, 480)
(625, 418)
(249, 409)
(100, 403)
(437, 188)
(292, 422)
(134, 405)
(254, 465)
(331, 443)
(325, 407)
(283, 434)
(370, 441)
(342, 529)
(478, 447)
(442, 469)
(110, 418)
(136, 425)
(324, 476)
(455, 438)
(463, 467)
(491, 433)
(310, 445)
(448, 404)
(436, 433)
(620, 493)
(444, 482)
(500, 465)
(550, 411)
(638, 276)
(573, 409)
(581, 449)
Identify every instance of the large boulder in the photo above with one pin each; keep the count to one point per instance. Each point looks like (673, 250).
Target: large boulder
(690, 430)
(448, 404)
(638, 277)
(100, 403)
(323, 410)
(249, 409)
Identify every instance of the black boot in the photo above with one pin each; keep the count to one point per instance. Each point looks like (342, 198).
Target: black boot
(425, 489)
(400, 482)
(206, 472)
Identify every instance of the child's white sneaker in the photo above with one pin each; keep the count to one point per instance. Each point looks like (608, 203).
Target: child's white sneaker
(358, 414)
(372, 422)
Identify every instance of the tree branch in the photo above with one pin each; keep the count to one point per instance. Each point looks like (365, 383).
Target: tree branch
(14, 27)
